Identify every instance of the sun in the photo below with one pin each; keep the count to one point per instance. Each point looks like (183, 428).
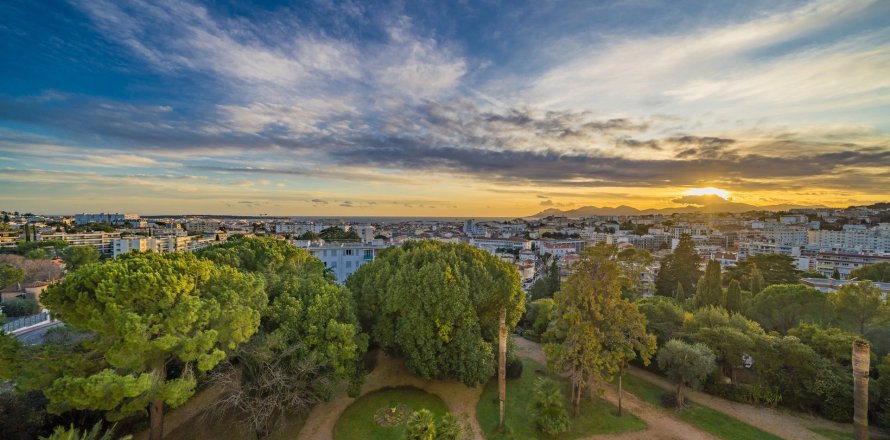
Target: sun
(708, 191)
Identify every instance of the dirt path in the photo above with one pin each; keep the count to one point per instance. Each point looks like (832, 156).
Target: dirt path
(461, 399)
(662, 425)
(786, 424)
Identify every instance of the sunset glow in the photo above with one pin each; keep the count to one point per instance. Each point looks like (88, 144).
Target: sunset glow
(708, 191)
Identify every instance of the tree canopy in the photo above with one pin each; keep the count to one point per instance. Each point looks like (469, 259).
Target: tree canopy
(147, 311)
(878, 272)
(679, 269)
(775, 269)
(686, 364)
(857, 305)
(438, 305)
(78, 256)
(10, 274)
(783, 306)
(595, 331)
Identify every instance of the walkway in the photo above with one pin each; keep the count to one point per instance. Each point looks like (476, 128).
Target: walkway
(390, 372)
(662, 425)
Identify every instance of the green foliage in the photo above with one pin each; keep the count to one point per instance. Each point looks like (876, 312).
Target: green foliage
(23, 415)
(144, 311)
(548, 408)
(421, 426)
(449, 428)
(538, 315)
(811, 274)
(878, 272)
(308, 235)
(633, 261)
(20, 307)
(835, 275)
(709, 290)
(514, 367)
(41, 249)
(733, 297)
(680, 269)
(335, 233)
(96, 433)
(10, 274)
(831, 343)
(756, 280)
(595, 331)
(664, 316)
(858, 305)
(78, 256)
(882, 386)
(311, 336)
(774, 268)
(686, 364)
(548, 284)
(783, 306)
(438, 305)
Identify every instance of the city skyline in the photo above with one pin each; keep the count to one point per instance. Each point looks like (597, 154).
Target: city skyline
(441, 110)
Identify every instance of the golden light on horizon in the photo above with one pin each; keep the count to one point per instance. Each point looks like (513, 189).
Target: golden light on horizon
(708, 191)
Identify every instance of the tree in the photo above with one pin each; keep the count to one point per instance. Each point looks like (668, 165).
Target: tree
(308, 235)
(775, 269)
(595, 331)
(710, 289)
(836, 275)
(664, 317)
(148, 311)
(756, 280)
(547, 407)
(733, 301)
(310, 337)
(96, 433)
(634, 261)
(78, 256)
(783, 306)
(829, 342)
(421, 426)
(879, 273)
(438, 306)
(686, 364)
(10, 274)
(335, 233)
(681, 267)
(857, 305)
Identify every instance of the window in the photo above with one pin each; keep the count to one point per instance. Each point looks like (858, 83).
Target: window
(348, 251)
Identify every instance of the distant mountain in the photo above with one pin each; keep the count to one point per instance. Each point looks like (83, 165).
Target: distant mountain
(711, 206)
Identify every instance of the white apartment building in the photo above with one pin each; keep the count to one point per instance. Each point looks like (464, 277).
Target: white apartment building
(343, 258)
(558, 249)
(160, 245)
(111, 219)
(103, 241)
(493, 244)
(844, 263)
(9, 238)
(784, 234)
(873, 240)
(828, 285)
(365, 232)
(298, 228)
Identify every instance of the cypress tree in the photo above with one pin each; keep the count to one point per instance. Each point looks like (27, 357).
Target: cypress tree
(733, 301)
(680, 293)
(756, 280)
(836, 274)
(709, 291)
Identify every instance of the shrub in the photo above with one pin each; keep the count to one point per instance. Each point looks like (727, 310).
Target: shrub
(72, 433)
(514, 367)
(548, 407)
(449, 428)
(20, 307)
(736, 393)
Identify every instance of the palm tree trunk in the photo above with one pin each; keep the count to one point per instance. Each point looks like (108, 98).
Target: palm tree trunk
(861, 354)
(502, 365)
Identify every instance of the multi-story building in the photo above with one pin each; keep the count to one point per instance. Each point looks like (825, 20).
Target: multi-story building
(102, 241)
(827, 285)
(558, 249)
(493, 244)
(202, 226)
(9, 238)
(343, 258)
(164, 244)
(827, 262)
(869, 240)
(111, 219)
(297, 229)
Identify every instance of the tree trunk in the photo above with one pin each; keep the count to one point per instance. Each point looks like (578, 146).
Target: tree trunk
(502, 365)
(619, 393)
(861, 354)
(680, 401)
(576, 400)
(156, 408)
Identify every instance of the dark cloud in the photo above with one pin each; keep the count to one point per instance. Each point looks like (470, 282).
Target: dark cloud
(546, 203)
(319, 201)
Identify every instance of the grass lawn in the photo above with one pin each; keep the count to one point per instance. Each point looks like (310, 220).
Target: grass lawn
(704, 418)
(597, 416)
(357, 422)
(832, 434)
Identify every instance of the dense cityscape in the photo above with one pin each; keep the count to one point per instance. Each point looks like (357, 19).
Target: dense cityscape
(444, 220)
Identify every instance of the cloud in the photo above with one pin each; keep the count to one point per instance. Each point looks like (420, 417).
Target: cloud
(546, 203)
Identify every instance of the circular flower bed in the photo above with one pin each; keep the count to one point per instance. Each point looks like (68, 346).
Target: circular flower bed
(390, 416)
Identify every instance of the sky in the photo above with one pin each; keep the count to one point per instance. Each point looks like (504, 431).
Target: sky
(438, 108)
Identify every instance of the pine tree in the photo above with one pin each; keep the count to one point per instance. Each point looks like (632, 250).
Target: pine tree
(733, 301)
(709, 291)
(836, 274)
(681, 294)
(756, 280)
